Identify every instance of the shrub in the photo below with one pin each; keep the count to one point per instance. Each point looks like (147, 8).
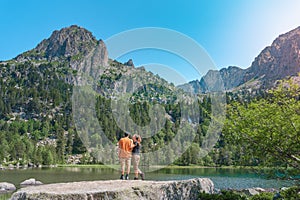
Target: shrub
(292, 193)
(263, 196)
(224, 195)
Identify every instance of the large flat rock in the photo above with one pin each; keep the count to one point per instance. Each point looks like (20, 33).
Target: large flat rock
(117, 189)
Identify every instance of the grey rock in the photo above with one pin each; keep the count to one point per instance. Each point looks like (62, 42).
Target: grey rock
(284, 188)
(118, 189)
(7, 187)
(30, 182)
(129, 63)
(73, 44)
(252, 191)
(275, 62)
(11, 166)
(67, 42)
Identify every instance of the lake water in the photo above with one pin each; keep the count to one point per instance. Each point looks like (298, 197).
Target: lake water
(223, 178)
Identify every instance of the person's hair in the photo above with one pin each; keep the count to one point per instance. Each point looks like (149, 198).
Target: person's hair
(138, 138)
(126, 134)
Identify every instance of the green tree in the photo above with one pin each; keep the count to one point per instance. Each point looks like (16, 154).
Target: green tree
(47, 156)
(70, 141)
(60, 145)
(268, 129)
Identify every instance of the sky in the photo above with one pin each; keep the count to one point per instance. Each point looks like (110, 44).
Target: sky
(232, 32)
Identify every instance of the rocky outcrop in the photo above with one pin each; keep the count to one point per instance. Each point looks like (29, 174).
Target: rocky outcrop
(6, 187)
(118, 189)
(275, 62)
(216, 80)
(129, 63)
(30, 182)
(94, 63)
(74, 45)
(67, 42)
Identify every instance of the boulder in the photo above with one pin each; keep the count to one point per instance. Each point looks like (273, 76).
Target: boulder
(253, 191)
(11, 166)
(30, 182)
(118, 189)
(6, 187)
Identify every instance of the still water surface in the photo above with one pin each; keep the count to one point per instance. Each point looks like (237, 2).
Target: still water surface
(222, 178)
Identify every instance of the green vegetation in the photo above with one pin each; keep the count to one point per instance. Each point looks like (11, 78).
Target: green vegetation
(224, 195)
(289, 193)
(292, 193)
(263, 196)
(267, 130)
(5, 196)
(36, 122)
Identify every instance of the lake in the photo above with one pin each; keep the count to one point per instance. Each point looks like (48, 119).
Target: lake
(223, 178)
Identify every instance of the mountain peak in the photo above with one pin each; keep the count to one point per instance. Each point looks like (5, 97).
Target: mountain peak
(289, 35)
(67, 42)
(275, 62)
(129, 63)
(278, 61)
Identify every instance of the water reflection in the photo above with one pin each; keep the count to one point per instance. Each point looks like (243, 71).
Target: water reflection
(222, 178)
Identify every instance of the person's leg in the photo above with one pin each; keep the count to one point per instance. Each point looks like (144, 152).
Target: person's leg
(122, 162)
(135, 165)
(138, 171)
(136, 160)
(128, 162)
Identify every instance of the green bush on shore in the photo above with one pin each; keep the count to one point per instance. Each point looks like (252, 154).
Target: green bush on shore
(292, 193)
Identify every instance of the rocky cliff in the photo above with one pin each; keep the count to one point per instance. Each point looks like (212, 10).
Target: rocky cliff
(275, 62)
(73, 45)
(118, 189)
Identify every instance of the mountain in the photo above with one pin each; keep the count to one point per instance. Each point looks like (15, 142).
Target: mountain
(46, 93)
(41, 123)
(224, 74)
(63, 44)
(73, 45)
(275, 62)
(70, 56)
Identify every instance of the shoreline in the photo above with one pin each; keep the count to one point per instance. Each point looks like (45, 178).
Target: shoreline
(11, 167)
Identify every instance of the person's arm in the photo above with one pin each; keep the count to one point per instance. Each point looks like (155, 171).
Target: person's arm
(131, 144)
(119, 150)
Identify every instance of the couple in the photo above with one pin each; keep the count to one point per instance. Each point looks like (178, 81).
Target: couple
(130, 148)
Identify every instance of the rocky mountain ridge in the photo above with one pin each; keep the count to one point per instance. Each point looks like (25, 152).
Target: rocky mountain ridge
(64, 43)
(73, 45)
(75, 56)
(278, 61)
(84, 54)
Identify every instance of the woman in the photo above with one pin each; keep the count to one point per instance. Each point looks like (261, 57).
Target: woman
(136, 157)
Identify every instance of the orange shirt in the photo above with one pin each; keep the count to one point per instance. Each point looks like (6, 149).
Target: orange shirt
(125, 147)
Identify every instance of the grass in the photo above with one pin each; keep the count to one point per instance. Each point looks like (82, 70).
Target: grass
(87, 165)
(162, 166)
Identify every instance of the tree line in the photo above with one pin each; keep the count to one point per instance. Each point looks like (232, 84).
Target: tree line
(36, 108)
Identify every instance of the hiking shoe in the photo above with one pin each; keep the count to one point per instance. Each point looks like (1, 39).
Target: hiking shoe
(142, 176)
(135, 178)
(122, 177)
(126, 177)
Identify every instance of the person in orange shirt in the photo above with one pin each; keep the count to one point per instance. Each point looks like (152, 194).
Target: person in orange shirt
(125, 147)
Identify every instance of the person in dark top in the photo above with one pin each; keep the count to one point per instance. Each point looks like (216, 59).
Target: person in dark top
(136, 157)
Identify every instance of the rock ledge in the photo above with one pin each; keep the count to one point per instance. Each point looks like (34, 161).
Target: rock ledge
(118, 189)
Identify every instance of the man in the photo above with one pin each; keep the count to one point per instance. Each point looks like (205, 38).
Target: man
(125, 147)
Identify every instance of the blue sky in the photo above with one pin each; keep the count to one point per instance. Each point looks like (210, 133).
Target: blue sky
(232, 32)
